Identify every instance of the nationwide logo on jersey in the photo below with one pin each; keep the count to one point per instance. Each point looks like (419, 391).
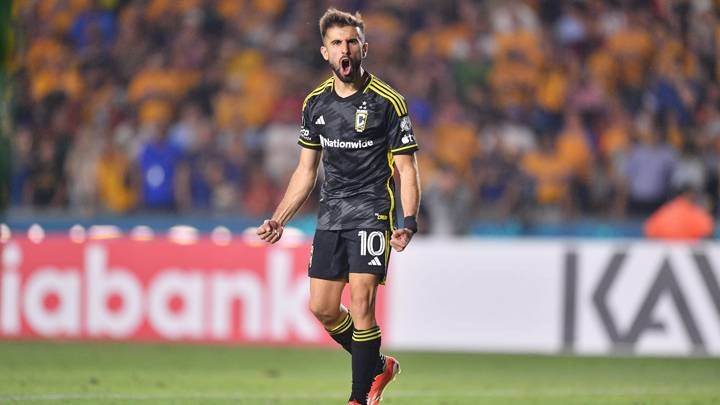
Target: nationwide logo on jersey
(336, 143)
(361, 117)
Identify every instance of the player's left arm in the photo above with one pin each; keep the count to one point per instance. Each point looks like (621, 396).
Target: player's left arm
(410, 197)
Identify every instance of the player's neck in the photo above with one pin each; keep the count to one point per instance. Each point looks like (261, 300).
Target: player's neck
(348, 89)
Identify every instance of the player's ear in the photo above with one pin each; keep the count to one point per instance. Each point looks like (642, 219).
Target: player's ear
(324, 53)
(365, 50)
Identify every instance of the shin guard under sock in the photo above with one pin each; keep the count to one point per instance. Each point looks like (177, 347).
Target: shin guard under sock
(365, 354)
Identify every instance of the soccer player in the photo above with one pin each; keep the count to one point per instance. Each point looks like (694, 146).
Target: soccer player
(360, 128)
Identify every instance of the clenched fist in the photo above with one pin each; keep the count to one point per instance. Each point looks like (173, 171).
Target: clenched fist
(270, 231)
(400, 238)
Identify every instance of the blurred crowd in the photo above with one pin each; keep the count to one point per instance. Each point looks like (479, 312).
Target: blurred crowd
(523, 109)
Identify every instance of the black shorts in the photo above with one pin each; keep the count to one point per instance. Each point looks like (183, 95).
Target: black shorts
(335, 254)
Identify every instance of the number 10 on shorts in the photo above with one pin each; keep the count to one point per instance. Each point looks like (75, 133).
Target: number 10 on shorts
(368, 243)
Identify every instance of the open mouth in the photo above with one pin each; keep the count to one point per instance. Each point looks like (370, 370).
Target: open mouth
(345, 66)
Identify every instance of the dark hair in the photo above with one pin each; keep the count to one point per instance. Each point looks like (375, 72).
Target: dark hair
(336, 18)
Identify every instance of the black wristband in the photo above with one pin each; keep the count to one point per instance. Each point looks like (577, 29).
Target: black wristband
(410, 223)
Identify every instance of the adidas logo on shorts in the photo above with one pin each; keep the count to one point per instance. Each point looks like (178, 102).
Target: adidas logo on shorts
(375, 262)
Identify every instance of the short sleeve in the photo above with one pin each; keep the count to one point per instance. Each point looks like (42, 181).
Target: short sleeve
(402, 138)
(308, 138)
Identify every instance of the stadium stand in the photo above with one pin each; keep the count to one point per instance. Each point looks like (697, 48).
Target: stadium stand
(528, 112)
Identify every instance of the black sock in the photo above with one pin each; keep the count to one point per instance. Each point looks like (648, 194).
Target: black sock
(365, 354)
(343, 335)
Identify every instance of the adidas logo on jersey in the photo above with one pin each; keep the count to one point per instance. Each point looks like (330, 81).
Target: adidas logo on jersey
(320, 121)
(375, 262)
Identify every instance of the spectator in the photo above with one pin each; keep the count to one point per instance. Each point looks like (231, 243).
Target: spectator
(448, 203)
(185, 134)
(498, 179)
(260, 194)
(81, 168)
(649, 167)
(194, 178)
(456, 141)
(280, 146)
(46, 184)
(21, 163)
(549, 176)
(689, 171)
(116, 182)
(93, 24)
(574, 150)
(158, 162)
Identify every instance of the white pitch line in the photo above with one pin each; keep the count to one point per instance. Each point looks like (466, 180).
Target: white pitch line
(516, 393)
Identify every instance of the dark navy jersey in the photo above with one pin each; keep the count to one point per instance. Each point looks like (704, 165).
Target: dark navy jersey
(358, 136)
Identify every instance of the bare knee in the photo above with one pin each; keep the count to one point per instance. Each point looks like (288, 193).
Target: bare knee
(329, 316)
(363, 311)
(363, 288)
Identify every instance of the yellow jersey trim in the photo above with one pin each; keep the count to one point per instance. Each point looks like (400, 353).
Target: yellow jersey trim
(392, 91)
(319, 90)
(386, 91)
(391, 161)
(403, 148)
(308, 143)
(392, 100)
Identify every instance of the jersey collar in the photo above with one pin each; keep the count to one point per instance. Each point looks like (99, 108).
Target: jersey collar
(367, 77)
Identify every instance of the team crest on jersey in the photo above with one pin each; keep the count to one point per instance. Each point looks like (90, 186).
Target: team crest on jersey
(361, 117)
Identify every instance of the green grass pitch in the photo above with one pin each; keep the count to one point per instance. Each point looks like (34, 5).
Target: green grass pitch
(112, 373)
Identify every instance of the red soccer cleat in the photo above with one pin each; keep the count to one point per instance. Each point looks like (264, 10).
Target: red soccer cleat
(392, 368)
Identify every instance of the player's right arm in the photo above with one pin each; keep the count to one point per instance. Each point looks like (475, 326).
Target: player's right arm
(301, 185)
(303, 179)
